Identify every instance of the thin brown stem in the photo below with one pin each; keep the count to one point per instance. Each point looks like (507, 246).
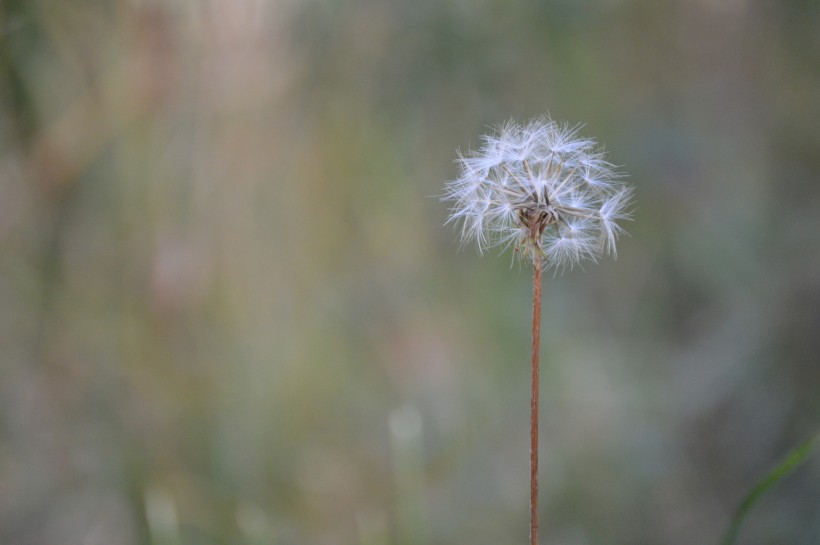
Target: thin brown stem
(536, 344)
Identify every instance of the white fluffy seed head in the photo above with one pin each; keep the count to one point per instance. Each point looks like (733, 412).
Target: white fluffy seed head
(541, 189)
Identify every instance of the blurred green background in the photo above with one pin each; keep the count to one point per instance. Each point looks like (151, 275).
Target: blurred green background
(230, 312)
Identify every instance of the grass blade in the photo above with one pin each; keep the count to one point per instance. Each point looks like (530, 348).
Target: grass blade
(794, 459)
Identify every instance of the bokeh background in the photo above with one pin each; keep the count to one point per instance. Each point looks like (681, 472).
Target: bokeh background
(230, 312)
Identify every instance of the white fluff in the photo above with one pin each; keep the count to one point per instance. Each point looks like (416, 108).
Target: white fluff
(541, 168)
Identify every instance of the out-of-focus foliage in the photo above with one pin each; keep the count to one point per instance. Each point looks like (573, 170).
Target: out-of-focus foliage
(230, 313)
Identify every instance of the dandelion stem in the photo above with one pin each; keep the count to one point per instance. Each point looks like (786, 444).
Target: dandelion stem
(536, 343)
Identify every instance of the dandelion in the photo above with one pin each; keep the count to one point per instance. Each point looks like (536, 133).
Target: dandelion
(543, 190)
(549, 194)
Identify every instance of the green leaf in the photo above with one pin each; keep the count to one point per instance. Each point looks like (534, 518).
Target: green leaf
(794, 459)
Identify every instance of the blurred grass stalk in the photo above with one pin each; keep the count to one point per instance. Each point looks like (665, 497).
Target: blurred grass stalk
(408, 470)
(161, 516)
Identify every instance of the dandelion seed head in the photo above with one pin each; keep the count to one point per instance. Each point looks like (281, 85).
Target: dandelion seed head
(541, 189)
